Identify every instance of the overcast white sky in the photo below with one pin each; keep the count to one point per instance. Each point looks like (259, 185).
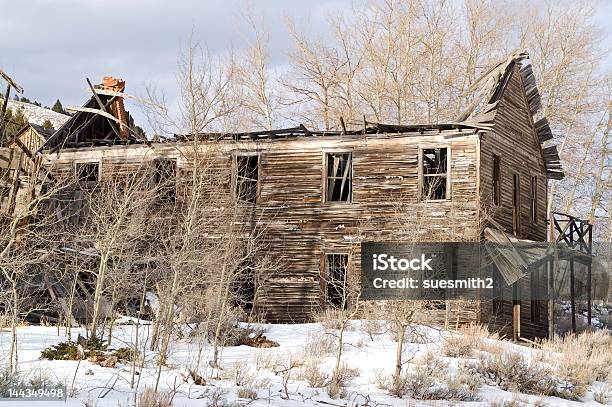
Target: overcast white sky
(50, 46)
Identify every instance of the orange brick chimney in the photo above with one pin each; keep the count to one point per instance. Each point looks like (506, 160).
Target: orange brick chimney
(117, 108)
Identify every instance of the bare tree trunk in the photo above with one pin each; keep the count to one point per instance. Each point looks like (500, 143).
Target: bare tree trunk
(97, 300)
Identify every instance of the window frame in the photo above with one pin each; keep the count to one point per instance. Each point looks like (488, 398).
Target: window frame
(325, 177)
(496, 189)
(235, 176)
(154, 162)
(516, 204)
(76, 163)
(325, 277)
(533, 198)
(422, 175)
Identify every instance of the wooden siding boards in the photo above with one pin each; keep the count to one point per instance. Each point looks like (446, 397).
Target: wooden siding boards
(301, 227)
(515, 139)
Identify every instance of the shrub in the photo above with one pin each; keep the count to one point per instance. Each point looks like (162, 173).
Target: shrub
(574, 375)
(603, 395)
(239, 374)
(127, 354)
(215, 397)
(339, 380)
(345, 375)
(329, 318)
(512, 371)
(246, 393)
(514, 402)
(265, 360)
(151, 398)
(319, 345)
(313, 375)
(457, 346)
(62, 351)
(431, 379)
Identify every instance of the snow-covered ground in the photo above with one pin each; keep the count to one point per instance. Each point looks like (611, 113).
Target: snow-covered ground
(89, 381)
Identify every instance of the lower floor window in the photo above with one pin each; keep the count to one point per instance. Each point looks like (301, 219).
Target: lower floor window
(336, 268)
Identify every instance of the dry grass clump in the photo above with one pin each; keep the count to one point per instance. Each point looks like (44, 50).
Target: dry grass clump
(247, 393)
(239, 374)
(314, 375)
(512, 371)
(373, 319)
(265, 360)
(329, 318)
(457, 346)
(152, 398)
(517, 401)
(574, 375)
(583, 359)
(593, 349)
(319, 345)
(341, 379)
(469, 339)
(604, 394)
(430, 379)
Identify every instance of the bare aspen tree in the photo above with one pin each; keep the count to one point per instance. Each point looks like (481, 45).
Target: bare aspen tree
(115, 221)
(314, 80)
(259, 95)
(26, 240)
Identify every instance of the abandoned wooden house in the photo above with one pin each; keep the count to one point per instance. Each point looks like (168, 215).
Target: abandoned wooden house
(329, 190)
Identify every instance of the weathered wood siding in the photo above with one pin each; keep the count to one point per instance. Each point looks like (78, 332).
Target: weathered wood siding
(301, 228)
(515, 141)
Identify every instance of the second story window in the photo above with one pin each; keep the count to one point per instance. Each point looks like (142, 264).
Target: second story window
(164, 178)
(534, 200)
(87, 173)
(339, 177)
(496, 180)
(516, 204)
(246, 177)
(434, 173)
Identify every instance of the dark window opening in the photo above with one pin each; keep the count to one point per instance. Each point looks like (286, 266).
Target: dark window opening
(247, 173)
(535, 288)
(164, 178)
(244, 285)
(498, 292)
(339, 177)
(516, 205)
(336, 268)
(434, 169)
(87, 172)
(496, 180)
(6, 179)
(534, 200)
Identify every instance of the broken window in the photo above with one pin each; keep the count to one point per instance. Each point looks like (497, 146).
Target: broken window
(336, 268)
(339, 177)
(247, 174)
(164, 178)
(434, 171)
(516, 204)
(87, 172)
(534, 199)
(496, 180)
(244, 284)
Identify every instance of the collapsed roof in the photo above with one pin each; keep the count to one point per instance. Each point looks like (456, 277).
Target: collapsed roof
(102, 120)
